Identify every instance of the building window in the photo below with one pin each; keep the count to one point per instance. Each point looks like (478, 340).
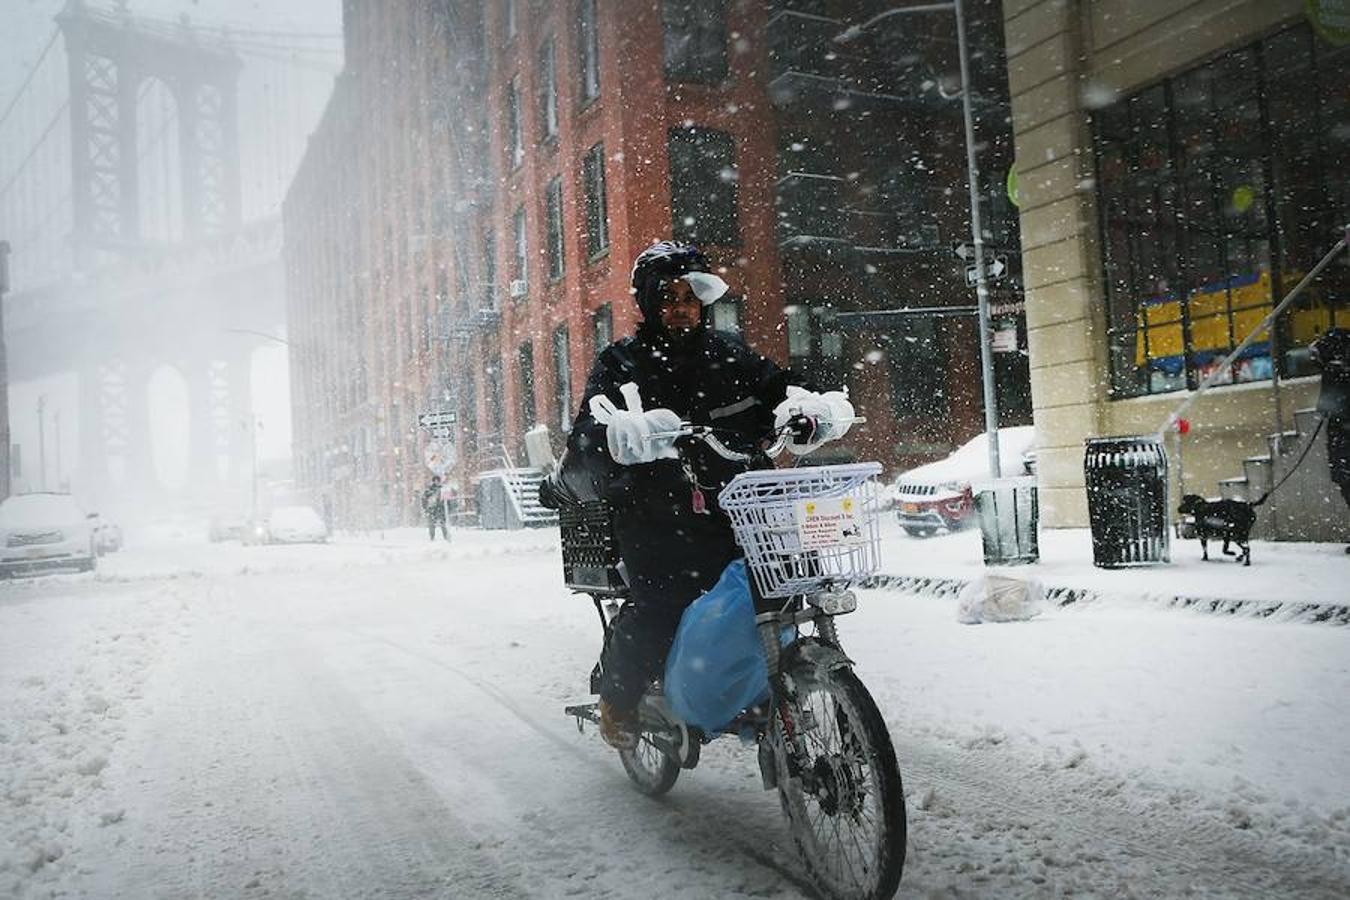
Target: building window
(520, 266)
(488, 299)
(554, 224)
(726, 315)
(562, 377)
(603, 322)
(588, 50)
(528, 415)
(1218, 190)
(799, 331)
(517, 138)
(597, 209)
(509, 14)
(695, 40)
(916, 359)
(548, 91)
(703, 178)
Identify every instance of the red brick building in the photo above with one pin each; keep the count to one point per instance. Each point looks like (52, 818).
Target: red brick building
(460, 233)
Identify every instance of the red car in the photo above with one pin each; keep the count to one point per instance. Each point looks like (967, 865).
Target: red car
(939, 495)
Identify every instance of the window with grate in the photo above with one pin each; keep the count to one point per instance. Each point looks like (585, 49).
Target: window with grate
(597, 208)
(703, 186)
(554, 225)
(588, 51)
(1218, 190)
(695, 39)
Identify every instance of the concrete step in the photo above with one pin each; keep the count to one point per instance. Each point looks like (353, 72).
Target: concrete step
(1234, 488)
(1305, 420)
(1282, 443)
(1257, 470)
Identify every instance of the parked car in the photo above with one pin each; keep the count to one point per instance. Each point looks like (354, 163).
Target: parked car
(44, 531)
(294, 525)
(227, 527)
(107, 536)
(939, 494)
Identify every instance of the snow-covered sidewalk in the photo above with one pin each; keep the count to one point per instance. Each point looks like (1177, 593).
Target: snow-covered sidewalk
(1287, 575)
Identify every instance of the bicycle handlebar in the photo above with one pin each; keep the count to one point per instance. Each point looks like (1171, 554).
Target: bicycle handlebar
(707, 434)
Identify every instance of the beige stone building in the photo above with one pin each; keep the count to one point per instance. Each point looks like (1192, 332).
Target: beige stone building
(1181, 165)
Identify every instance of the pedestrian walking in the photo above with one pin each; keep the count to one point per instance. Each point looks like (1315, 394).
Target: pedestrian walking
(434, 507)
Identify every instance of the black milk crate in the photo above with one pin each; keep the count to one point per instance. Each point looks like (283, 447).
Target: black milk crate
(590, 553)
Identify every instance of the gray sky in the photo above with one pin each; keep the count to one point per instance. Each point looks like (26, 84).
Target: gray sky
(28, 23)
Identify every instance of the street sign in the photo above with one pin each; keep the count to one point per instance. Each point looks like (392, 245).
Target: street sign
(439, 456)
(994, 270)
(962, 250)
(441, 419)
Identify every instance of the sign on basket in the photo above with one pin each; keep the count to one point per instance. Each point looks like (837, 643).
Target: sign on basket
(824, 522)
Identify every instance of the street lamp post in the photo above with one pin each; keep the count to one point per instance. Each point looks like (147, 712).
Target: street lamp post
(977, 232)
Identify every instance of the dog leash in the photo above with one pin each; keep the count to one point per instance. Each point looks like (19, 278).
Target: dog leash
(1321, 420)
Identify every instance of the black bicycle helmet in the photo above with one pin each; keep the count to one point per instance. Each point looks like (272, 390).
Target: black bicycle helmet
(662, 262)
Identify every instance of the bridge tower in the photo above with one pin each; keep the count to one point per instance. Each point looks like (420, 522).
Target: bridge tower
(110, 56)
(108, 61)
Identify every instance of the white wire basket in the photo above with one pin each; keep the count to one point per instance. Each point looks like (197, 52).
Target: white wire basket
(803, 529)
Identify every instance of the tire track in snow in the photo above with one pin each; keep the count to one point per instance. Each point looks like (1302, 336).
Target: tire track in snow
(697, 818)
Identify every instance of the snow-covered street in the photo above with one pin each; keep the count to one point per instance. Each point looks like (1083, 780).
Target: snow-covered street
(382, 717)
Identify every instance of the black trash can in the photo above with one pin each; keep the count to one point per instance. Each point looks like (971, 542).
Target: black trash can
(1009, 514)
(1127, 501)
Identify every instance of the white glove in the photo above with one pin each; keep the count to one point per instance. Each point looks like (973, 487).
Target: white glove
(831, 411)
(629, 431)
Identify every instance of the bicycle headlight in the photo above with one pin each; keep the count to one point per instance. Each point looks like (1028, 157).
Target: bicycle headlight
(834, 603)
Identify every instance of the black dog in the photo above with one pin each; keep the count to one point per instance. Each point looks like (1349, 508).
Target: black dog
(1226, 520)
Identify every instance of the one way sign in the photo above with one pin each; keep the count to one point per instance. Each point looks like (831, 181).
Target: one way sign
(434, 420)
(994, 271)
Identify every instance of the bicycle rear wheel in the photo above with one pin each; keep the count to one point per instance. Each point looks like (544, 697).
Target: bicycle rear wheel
(650, 769)
(846, 808)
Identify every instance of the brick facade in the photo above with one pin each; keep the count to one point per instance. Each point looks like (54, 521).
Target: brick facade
(401, 225)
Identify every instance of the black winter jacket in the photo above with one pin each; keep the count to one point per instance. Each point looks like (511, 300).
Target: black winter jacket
(712, 379)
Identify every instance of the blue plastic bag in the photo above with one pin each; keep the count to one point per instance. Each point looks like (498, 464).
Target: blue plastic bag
(716, 666)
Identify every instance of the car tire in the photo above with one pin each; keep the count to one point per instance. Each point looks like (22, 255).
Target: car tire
(920, 531)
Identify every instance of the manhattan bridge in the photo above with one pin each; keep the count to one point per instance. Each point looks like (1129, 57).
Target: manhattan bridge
(143, 162)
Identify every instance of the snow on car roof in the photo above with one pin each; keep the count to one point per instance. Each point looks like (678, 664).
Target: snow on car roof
(294, 516)
(970, 461)
(30, 510)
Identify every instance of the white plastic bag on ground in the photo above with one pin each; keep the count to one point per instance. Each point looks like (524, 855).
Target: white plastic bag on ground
(999, 598)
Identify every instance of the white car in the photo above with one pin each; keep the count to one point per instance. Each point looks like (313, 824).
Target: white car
(939, 494)
(46, 531)
(294, 525)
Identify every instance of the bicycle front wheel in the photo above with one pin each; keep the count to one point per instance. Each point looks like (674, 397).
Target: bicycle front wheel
(845, 806)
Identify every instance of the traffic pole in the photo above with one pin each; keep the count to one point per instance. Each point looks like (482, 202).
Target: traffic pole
(977, 234)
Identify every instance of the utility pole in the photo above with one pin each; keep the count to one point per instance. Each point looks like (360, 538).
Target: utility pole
(42, 442)
(4, 376)
(977, 235)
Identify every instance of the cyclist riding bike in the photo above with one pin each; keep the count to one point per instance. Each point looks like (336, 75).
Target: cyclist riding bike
(672, 536)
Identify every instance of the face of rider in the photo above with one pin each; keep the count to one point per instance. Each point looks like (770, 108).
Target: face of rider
(681, 311)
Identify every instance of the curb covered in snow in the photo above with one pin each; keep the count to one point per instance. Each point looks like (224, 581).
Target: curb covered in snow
(1274, 610)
